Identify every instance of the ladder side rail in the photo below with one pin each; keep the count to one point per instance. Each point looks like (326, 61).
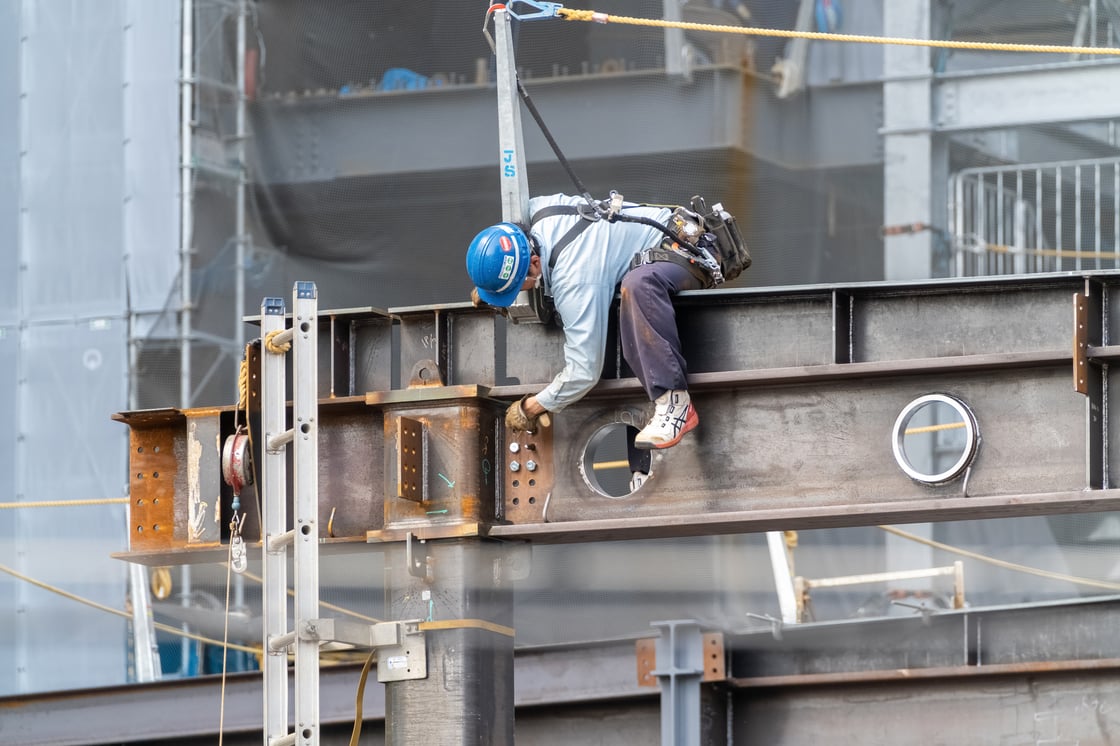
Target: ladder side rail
(305, 421)
(274, 565)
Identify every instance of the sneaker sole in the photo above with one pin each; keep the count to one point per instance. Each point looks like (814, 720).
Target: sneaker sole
(689, 424)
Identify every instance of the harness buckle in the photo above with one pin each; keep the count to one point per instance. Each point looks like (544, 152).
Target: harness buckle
(589, 211)
(645, 256)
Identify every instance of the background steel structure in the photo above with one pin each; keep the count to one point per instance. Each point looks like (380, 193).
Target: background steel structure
(123, 109)
(860, 354)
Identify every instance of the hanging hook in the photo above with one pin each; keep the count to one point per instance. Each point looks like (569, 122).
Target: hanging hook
(543, 10)
(238, 558)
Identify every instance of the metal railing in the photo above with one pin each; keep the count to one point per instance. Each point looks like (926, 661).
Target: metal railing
(1028, 218)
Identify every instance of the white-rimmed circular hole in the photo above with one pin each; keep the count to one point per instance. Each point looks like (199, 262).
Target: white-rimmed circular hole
(609, 461)
(935, 438)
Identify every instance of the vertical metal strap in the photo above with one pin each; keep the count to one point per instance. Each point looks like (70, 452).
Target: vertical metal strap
(274, 596)
(511, 142)
(305, 422)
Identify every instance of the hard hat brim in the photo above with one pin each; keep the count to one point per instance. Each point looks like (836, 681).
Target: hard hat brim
(503, 299)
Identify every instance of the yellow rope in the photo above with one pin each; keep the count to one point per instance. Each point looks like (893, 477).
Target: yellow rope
(322, 604)
(225, 650)
(1104, 584)
(933, 428)
(274, 348)
(118, 612)
(571, 14)
(65, 503)
(243, 384)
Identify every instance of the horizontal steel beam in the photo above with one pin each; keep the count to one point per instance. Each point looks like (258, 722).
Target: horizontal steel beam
(797, 388)
(321, 137)
(1013, 671)
(1011, 97)
(805, 518)
(164, 711)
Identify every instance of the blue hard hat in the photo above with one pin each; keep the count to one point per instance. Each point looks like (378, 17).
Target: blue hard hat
(498, 262)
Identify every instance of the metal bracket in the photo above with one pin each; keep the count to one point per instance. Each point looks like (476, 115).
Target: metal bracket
(407, 660)
(1081, 343)
(402, 651)
(412, 460)
(416, 568)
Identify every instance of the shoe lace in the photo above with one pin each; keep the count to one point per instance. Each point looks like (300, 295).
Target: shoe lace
(668, 415)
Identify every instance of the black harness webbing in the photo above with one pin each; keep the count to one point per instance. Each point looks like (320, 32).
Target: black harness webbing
(573, 232)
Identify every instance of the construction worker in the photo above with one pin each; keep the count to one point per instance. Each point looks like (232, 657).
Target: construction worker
(579, 257)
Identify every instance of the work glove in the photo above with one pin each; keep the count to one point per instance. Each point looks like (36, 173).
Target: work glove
(518, 421)
(477, 302)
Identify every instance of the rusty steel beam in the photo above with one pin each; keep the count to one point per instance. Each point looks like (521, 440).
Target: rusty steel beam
(797, 390)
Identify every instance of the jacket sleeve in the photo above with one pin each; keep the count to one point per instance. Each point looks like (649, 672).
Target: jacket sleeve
(585, 309)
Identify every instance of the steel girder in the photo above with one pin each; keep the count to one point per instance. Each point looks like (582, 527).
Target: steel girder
(797, 390)
(1021, 673)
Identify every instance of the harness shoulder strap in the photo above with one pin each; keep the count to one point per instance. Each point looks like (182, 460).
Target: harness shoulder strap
(553, 210)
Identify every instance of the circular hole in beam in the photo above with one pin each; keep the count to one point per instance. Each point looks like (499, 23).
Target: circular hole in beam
(935, 439)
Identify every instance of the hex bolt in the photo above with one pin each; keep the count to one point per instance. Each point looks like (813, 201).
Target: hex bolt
(514, 466)
(514, 447)
(531, 465)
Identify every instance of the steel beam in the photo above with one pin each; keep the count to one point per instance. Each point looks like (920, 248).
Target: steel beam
(1021, 673)
(797, 390)
(169, 710)
(301, 139)
(1023, 96)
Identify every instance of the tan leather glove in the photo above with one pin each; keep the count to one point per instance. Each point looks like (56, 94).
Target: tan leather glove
(477, 302)
(518, 421)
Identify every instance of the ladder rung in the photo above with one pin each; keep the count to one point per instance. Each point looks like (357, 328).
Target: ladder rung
(281, 642)
(288, 740)
(279, 543)
(276, 442)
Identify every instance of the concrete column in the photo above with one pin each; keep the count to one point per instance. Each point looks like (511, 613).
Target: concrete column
(914, 170)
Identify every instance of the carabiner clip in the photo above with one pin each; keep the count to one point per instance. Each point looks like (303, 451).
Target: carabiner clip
(544, 10)
(238, 559)
(615, 204)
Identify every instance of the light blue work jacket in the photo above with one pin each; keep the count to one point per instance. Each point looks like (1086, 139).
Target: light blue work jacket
(582, 286)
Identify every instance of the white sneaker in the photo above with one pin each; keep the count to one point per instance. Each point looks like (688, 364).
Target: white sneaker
(673, 416)
(637, 479)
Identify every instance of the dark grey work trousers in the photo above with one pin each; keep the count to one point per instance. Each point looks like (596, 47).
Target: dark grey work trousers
(650, 341)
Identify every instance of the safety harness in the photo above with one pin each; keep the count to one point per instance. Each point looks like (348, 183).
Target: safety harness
(703, 267)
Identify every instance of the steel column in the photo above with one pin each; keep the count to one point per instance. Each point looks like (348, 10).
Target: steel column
(462, 589)
(680, 664)
(511, 142)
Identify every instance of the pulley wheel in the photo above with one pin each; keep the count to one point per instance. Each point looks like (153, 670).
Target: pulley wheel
(235, 462)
